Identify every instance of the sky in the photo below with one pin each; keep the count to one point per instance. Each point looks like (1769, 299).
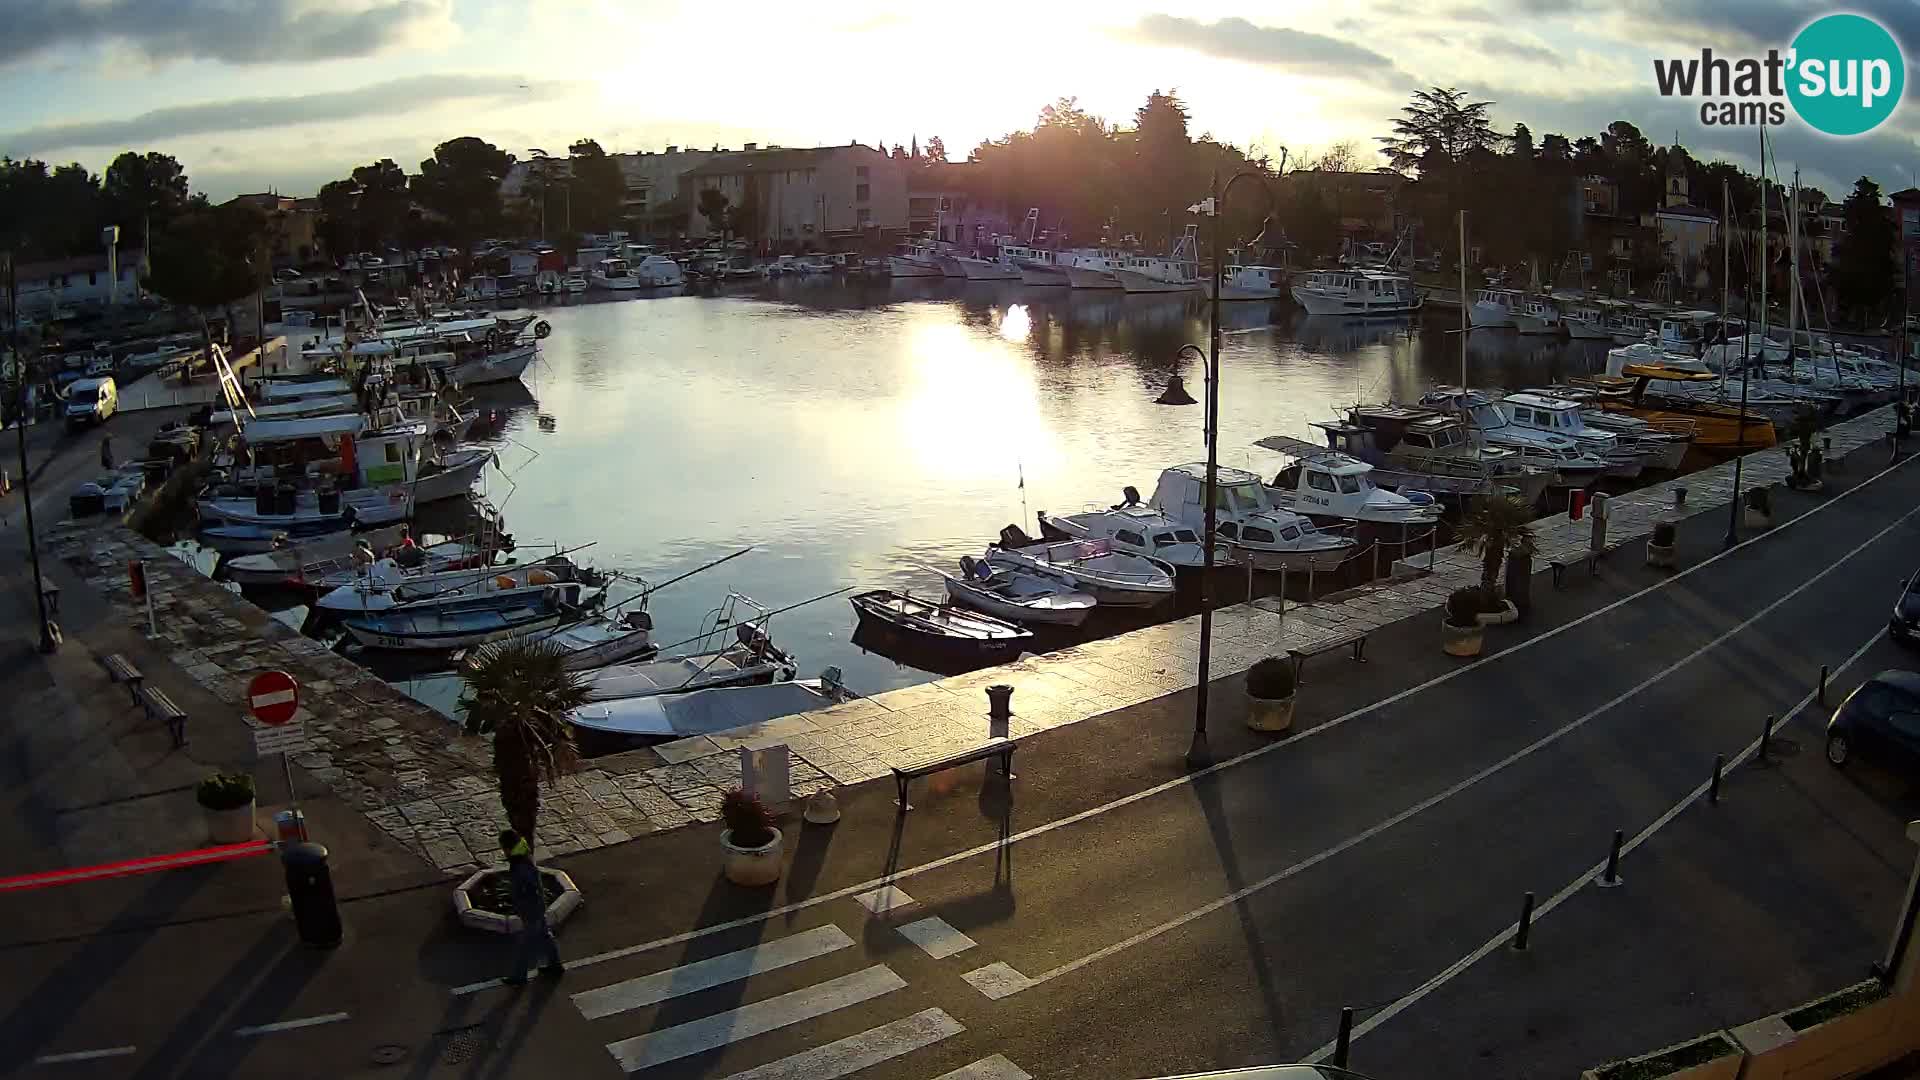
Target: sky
(253, 95)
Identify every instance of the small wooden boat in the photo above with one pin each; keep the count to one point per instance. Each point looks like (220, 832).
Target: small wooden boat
(1115, 578)
(1009, 593)
(466, 622)
(940, 627)
(753, 659)
(600, 641)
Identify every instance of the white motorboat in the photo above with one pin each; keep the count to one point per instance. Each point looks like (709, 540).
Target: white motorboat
(1329, 486)
(1090, 268)
(1625, 457)
(1018, 596)
(1177, 271)
(1242, 282)
(503, 365)
(1495, 307)
(1671, 437)
(752, 659)
(1421, 449)
(386, 584)
(1356, 294)
(710, 711)
(575, 284)
(1134, 528)
(616, 274)
(600, 641)
(1538, 316)
(1114, 578)
(1269, 537)
(658, 272)
(309, 564)
(359, 507)
(465, 622)
(1572, 466)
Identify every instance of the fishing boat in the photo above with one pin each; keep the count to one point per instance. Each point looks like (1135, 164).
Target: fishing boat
(1134, 528)
(1267, 536)
(1495, 307)
(938, 627)
(601, 641)
(709, 711)
(1177, 271)
(1090, 268)
(248, 540)
(466, 621)
(1625, 456)
(288, 563)
(1331, 487)
(1416, 449)
(1016, 595)
(1537, 315)
(1358, 294)
(751, 658)
(386, 585)
(1239, 281)
(1114, 578)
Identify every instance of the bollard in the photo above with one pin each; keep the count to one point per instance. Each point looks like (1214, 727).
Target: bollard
(1766, 739)
(1679, 496)
(1823, 684)
(1612, 877)
(1713, 789)
(1526, 924)
(310, 888)
(999, 710)
(1344, 1041)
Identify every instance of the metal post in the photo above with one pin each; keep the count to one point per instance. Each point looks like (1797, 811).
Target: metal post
(1198, 756)
(1310, 571)
(1766, 740)
(153, 631)
(1612, 877)
(49, 634)
(1526, 924)
(1283, 591)
(1713, 790)
(1746, 341)
(1823, 684)
(1344, 1042)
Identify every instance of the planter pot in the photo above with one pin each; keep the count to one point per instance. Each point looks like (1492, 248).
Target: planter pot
(1754, 519)
(1507, 613)
(1270, 714)
(752, 866)
(1461, 640)
(233, 826)
(1873, 1034)
(493, 922)
(1659, 555)
(1724, 1066)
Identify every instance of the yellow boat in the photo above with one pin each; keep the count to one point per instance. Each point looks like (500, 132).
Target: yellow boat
(1718, 430)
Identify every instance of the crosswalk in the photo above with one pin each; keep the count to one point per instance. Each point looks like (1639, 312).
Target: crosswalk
(667, 1016)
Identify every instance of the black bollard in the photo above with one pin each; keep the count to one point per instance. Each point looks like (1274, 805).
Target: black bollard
(1713, 790)
(1823, 684)
(1345, 1039)
(1526, 924)
(1612, 877)
(310, 887)
(1766, 739)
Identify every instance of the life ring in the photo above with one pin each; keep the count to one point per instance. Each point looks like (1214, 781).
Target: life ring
(541, 329)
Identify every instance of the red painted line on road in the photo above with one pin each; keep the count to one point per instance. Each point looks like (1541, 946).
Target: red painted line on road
(146, 864)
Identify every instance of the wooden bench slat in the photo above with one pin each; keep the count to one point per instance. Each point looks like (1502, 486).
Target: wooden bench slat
(122, 671)
(159, 705)
(1356, 639)
(1001, 748)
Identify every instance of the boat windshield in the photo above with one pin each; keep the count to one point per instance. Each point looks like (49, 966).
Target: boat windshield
(1240, 498)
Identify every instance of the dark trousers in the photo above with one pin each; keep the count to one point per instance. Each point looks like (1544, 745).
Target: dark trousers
(534, 946)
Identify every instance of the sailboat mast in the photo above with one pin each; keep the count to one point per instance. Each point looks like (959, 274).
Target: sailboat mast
(1764, 268)
(1726, 279)
(1466, 312)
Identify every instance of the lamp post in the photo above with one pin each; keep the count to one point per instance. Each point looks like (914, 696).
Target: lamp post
(1198, 754)
(49, 634)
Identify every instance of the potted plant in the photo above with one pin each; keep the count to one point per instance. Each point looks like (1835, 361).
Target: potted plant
(751, 841)
(1518, 586)
(1660, 545)
(1710, 1057)
(1270, 694)
(228, 799)
(1758, 503)
(1460, 631)
(485, 900)
(1803, 461)
(520, 691)
(1496, 527)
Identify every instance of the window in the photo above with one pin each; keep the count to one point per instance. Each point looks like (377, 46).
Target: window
(1228, 529)
(1162, 538)
(1349, 485)
(1320, 481)
(860, 171)
(1133, 538)
(863, 216)
(1258, 535)
(862, 192)
(393, 451)
(1522, 416)
(1289, 533)
(1185, 536)
(1416, 439)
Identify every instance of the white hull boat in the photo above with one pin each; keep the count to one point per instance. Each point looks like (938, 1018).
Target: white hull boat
(598, 642)
(987, 269)
(1043, 275)
(736, 665)
(706, 712)
(464, 624)
(1007, 593)
(360, 507)
(298, 564)
(387, 586)
(494, 367)
(1356, 294)
(1092, 566)
(451, 555)
(1091, 277)
(1134, 281)
(452, 476)
(1135, 529)
(1267, 537)
(903, 267)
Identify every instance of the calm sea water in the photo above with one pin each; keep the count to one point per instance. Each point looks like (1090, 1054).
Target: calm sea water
(854, 434)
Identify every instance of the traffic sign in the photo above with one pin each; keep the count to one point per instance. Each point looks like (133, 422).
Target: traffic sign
(282, 739)
(274, 697)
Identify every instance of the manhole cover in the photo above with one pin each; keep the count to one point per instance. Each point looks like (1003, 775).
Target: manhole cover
(390, 1054)
(463, 1044)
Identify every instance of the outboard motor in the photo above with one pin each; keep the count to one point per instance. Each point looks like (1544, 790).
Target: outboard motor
(1012, 537)
(1129, 496)
(966, 567)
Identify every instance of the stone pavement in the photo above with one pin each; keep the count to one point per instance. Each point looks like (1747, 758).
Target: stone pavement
(417, 778)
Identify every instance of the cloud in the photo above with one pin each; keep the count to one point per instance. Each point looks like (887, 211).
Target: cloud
(236, 31)
(1270, 46)
(383, 98)
(1518, 50)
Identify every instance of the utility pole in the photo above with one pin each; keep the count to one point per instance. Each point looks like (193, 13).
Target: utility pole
(49, 633)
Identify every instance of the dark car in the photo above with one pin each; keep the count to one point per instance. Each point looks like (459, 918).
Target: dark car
(1904, 626)
(1880, 719)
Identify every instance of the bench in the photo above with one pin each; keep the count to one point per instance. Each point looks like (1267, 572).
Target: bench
(122, 671)
(1358, 640)
(160, 706)
(996, 747)
(1560, 568)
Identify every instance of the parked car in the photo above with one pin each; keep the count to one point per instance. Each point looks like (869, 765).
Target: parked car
(1880, 719)
(1905, 623)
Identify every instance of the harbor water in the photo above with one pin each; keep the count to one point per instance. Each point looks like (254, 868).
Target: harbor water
(858, 433)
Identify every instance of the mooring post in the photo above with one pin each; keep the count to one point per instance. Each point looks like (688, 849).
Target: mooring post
(1526, 923)
(1612, 877)
(1344, 1042)
(1766, 739)
(1713, 790)
(1823, 684)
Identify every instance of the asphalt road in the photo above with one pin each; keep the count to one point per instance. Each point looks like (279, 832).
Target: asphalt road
(1376, 861)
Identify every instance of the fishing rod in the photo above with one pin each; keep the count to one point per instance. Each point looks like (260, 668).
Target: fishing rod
(762, 618)
(654, 589)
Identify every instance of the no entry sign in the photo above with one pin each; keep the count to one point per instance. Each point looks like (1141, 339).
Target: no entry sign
(273, 697)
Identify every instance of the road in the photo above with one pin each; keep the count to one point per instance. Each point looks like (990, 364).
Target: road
(1375, 861)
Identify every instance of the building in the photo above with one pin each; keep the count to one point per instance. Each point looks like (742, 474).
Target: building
(941, 203)
(1684, 231)
(789, 200)
(652, 201)
(80, 279)
(293, 227)
(1906, 218)
(1369, 205)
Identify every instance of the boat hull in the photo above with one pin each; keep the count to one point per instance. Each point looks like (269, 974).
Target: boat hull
(907, 268)
(1030, 275)
(1488, 316)
(1582, 330)
(449, 640)
(1243, 292)
(987, 603)
(1318, 303)
(986, 270)
(451, 483)
(1085, 277)
(499, 367)
(1136, 282)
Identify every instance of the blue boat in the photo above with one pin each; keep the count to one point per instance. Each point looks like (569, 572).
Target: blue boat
(466, 622)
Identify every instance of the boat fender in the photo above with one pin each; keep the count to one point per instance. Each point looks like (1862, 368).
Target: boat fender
(541, 329)
(505, 582)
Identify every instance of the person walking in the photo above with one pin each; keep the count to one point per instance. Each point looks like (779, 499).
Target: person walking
(530, 903)
(106, 452)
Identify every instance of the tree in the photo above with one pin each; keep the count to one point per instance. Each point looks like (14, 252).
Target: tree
(339, 225)
(1865, 275)
(598, 187)
(1520, 144)
(48, 213)
(713, 206)
(1495, 528)
(1555, 148)
(384, 201)
(936, 149)
(520, 691)
(143, 191)
(461, 182)
(208, 259)
(1438, 127)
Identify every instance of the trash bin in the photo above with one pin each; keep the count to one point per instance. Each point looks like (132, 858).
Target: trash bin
(290, 826)
(330, 501)
(310, 888)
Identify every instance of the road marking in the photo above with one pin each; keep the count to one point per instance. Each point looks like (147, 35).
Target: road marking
(1188, 779)
(856, 1052)
(1574, 888)
(997, 980)
(1002, 981)
(720, 1029)
(288, 1025)
(883, 900)
(711, 972)
(936, 937)
(83, 1055)
(996, 1067)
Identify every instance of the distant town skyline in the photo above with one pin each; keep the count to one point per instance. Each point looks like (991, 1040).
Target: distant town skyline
(287, 94)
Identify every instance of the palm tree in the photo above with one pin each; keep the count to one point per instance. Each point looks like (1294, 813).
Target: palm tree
(1495, 528)
(520, 692)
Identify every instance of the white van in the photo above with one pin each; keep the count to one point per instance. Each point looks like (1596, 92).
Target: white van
(92, 401)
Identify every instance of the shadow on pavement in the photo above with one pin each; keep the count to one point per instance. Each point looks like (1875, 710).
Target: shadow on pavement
(265, 980)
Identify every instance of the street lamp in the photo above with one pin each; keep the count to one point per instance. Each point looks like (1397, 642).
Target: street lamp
(49, 633)
(1198, 754)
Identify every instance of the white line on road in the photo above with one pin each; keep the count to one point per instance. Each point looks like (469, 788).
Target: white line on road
(936, 937)
(996, 1067)
(856, 1052)
(713, 1032)
(1574, 887)
(1190, 778)
(83, 1055)
(883, 900)
(711, 972)
(289, 1025)
(1006, 986)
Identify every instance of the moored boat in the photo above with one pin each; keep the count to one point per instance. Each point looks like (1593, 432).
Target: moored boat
(939, 627)
(1115, 578)
(1018, 596)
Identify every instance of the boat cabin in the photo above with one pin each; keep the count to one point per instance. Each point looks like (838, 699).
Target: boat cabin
(1242, 511)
